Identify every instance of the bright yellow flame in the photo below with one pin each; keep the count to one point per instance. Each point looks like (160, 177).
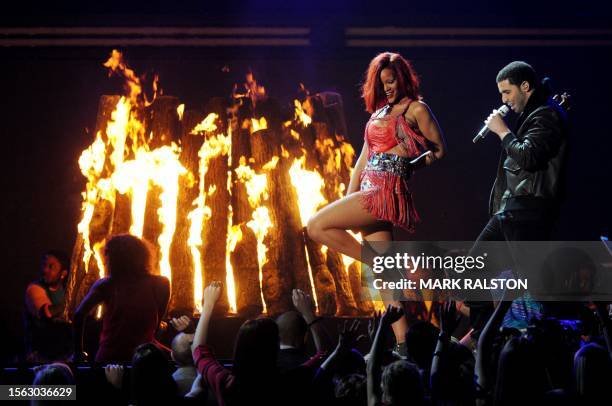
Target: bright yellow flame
(234, 235)
(257, 125)
(180, 110)
(212, 147)
(300, 115)
(271, 164)
(260, 224)
(309, 188)
(165, 173)
(207, 125)
(256, 185)
(196, 219)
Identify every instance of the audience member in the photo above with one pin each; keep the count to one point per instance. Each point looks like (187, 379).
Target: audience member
(47, 335)
(134, 301)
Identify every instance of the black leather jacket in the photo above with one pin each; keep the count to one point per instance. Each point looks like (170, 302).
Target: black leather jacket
(530, 175)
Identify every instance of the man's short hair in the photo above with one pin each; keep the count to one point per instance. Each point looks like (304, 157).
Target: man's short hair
(291, 327)
(181, 349)
(518, 72)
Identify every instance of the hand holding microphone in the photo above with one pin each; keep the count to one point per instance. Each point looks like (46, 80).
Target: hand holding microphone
(493, 123)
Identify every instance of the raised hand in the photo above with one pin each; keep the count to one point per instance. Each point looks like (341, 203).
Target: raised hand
(392, 315)
(211, 295)
(349, 335)
(448, 317)
(373, 325)
(303, 302)
(180, 324)
(114, 375)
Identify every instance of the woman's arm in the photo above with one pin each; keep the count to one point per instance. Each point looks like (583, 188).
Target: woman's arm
(374, 367)
(428, 125)
(211, 295)
(359, 166)
(94, 297)
(305, 305)
(439, 365)
(485, 344)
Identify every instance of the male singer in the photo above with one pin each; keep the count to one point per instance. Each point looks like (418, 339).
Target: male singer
(527, 192)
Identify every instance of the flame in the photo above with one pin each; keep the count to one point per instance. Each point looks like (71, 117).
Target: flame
(300, 115)
(234, 235)
(207, 125)
(309, 188)
(260, 224)
(196, 219)
(108, 170)
(117, 65)
(257, 190)
(256, 185)
(212, 147)
(120, 160)
(257, 125)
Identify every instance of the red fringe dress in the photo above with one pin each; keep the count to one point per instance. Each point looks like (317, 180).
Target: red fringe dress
(384, 181)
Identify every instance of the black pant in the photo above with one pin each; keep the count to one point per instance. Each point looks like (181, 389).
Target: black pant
(522, 225)
(517, 226)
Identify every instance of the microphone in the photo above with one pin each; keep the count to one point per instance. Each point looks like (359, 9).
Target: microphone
(502, 111)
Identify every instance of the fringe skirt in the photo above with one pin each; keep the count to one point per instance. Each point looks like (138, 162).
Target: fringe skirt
(384, 183)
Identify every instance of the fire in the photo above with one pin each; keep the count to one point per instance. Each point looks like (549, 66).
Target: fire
(121, 165)
(117, 65)
(300, 115)
(257, 125)
(213, 146)
(234, 235)
(309, 186)
(260, 223)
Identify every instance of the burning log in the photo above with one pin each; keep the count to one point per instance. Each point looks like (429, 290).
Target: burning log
(214, 232)
(122, 215)
(163, 121)
(286, 266)
(327, 159)
(360, 293)
(246, 274)
(99, 228)
(244, 258)
(325, 287)
(344, 295)
(181, 258)
(83, 275)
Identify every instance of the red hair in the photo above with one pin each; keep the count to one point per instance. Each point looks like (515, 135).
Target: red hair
(373, 92)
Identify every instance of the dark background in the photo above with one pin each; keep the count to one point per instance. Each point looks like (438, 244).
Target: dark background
(51, 96)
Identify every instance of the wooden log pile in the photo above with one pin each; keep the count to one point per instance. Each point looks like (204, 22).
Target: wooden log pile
(291, 261)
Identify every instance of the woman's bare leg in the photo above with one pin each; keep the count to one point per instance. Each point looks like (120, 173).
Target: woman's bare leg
(400, 327)
(329, 226)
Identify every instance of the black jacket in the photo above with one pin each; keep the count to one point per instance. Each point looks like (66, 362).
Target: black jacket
(530, 175)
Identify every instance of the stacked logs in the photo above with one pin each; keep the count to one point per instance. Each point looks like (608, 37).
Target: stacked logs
(290, 255)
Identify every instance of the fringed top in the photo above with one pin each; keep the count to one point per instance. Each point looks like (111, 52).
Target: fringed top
(385, 191)
(384, 133)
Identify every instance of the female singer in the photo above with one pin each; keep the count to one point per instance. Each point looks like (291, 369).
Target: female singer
(401, 128)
